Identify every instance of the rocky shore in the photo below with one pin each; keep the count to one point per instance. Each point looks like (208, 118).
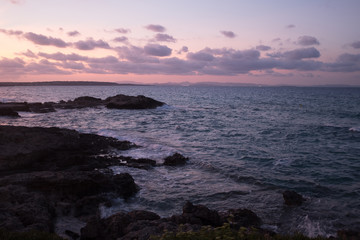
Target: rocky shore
(50, 173)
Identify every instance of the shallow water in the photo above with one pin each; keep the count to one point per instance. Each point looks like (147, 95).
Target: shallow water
(246, 146)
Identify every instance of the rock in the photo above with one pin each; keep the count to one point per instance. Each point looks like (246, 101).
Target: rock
(292, 198)
(5, 111)
(130, 102)
(53, 148)
(50, 172)
(80, 102)
(18, 107)
(241, 218)
(200, 214)
(175, 160)
(41, 107)
(72, 234)
(348, 235)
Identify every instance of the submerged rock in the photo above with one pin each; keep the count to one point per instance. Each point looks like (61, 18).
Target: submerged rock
(292, 198)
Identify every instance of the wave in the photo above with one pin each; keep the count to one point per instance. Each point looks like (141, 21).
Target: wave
(354, 129)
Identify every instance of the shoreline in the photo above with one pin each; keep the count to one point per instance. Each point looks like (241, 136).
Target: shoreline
(65, 164)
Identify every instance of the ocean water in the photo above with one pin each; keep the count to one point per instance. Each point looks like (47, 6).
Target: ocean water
(246, 146)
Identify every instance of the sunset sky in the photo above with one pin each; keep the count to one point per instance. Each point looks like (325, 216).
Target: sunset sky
(308, 42)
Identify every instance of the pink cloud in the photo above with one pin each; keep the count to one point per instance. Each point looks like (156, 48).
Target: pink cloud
(122, 30)
(91, 44)
(73, 33)
(155, 28)
(228, 34)
(157, 50)
(44, 40)
(161, 37)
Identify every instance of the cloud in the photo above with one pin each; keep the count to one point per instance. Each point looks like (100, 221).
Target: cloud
(290, 26)
(121, 39)
(157, 50)
(44, 40)
(262, 48)
(122, 30)
(155, 28)
(135, 55)
(29, 54)
(228, 34)
(201, 56)
(355, 45)
(307, 41)
(184, 49)
(11, 32)
(16, 1)
(301, 53)
(161, 37)
(73, 33)
(63, 57)
(91, 44)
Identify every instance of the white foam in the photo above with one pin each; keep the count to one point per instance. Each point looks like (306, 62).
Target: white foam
(311, 228)
(355, 129)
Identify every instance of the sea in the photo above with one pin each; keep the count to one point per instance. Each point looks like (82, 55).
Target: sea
(246, 146)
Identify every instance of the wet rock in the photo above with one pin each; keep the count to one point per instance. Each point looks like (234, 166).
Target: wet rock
(5, 111)
(41, 107)
(199, 214)
(16, 106)
(241, 218)
(80, 102)
(131, 102)
(175, 160)
(46, 172)
(72, 234)
(292, 198)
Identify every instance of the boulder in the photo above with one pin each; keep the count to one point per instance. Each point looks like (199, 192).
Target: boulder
(175, 160)
(292, 198)
(241, 218)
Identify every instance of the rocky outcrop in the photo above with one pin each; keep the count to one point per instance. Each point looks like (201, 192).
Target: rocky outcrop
(175, 160)
(130, 102)
(292, 198)
(50, 172)
(142, 224)
(116, 102)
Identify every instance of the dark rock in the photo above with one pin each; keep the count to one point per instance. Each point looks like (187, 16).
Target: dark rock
(200, 214)
(348, 235)
(292, 198)
(23, 148)
(72, 234)
(15, 106)
(9, 112)
(130, 102)
(175, 160)
(45, 172)
(41, 107)
(241, 218)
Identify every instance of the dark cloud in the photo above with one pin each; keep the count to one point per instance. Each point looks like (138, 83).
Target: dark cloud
(263, 48)
(301, 53)
(155, 28)
(63, 57)
(355, 45)
(73, 33)
(157, 50)
(161, 37)
(307, 41)
(228, 34)
(135, 55)
(290, 26)
(122, 30)
(200, 56)
(120, 39)
(73, 65)
(44, 40)
(91, 44)
(345, 63)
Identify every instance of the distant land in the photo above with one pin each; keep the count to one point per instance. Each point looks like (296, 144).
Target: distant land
(184, 84)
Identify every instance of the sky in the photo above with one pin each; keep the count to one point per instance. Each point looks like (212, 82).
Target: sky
(272, 42)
